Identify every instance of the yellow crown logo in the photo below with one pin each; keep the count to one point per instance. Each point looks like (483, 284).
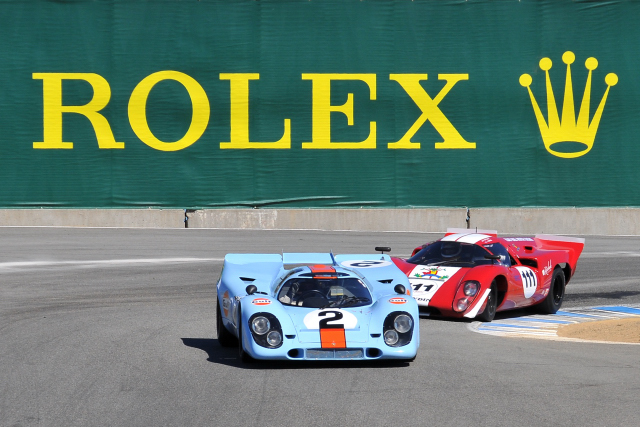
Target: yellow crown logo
(568, 130)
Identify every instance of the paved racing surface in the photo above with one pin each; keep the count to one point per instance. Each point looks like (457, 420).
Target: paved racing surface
(116, 327)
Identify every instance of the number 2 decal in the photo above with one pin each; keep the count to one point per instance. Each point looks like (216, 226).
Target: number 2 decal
(324, 323)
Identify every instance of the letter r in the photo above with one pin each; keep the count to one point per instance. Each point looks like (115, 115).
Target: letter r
(53, 109)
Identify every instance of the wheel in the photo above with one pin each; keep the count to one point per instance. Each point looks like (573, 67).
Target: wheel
(243, 355)
(553, 301)
(489, 311)
(225, 338)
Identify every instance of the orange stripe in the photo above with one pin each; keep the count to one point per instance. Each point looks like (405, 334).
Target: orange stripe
(322, 269)
(333, 338)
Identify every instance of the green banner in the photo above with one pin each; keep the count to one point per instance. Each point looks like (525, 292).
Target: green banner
(321, 103)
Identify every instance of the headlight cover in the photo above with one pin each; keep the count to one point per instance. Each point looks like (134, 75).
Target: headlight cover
(266, 330)
(403, 323)
(260, 325)
(466, 295)
(471, 288)
(398, 329)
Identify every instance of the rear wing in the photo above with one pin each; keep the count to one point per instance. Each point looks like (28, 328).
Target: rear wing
(572, 245)
(240, 270)
(450, 231)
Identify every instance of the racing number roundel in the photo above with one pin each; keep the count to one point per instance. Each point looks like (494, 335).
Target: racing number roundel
(331, 324)
(330, 318)
(529, 281)
(365, 263)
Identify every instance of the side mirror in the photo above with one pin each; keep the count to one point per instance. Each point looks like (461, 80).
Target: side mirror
(382, 249)
(251, 289)
(400, 289)
(496, 257)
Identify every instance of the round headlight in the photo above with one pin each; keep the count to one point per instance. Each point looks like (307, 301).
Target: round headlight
(260, 325)
(403, 323)
(471, 288)
(391, 337)
(462, 304)
(274, 338)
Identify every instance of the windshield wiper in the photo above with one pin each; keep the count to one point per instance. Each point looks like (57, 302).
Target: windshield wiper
(345, 301)
(438, 262)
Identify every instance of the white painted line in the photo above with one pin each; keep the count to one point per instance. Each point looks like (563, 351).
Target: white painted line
(610, 254)
(100, 263)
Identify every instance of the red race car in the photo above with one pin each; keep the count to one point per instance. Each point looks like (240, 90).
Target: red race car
(474, 274)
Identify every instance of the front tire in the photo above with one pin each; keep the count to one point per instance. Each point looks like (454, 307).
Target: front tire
(553, 301)
(492, 303)
(225, 338)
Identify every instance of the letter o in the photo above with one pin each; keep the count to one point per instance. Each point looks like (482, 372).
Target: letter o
(138, 110)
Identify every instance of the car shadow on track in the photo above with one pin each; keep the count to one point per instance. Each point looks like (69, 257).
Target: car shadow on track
(229, 356)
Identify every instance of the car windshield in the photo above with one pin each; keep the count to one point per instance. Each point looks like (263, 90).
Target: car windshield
(451, 253)
(321, 292)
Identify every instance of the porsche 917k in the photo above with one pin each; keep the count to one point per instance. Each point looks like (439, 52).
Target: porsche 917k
(316, 306)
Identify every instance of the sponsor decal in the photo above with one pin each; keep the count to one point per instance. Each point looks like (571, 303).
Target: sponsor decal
(547, 269)
(226, 303)
(398, 301)
(426, 281)
(433, 273)
(518, 239)
(261, 301)
(365, 263)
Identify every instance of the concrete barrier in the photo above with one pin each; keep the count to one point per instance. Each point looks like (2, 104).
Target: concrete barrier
(572, 221)
(134, 218)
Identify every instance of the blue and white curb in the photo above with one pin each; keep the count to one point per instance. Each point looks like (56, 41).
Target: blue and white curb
(545, 326)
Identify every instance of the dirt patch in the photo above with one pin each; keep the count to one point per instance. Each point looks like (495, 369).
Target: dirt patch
(617, 330)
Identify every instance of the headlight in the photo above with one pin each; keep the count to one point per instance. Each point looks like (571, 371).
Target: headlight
(266, 330)
(397, 329)
(260, 325)
(274, 338)
(403, 323)
(471, 288)
(462, 304)
(391, 337)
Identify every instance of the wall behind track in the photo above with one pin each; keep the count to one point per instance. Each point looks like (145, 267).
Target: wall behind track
(341, 104)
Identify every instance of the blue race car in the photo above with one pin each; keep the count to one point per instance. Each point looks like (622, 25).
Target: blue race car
(322, 307)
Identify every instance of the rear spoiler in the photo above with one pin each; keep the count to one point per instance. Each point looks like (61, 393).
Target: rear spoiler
(573, 245)
(450, 231)
(308, 258)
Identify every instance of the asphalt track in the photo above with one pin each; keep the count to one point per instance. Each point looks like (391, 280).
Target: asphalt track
(116, 327)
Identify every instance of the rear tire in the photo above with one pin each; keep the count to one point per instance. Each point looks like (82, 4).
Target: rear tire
(553, 301)
(492, 303)
(225, 338)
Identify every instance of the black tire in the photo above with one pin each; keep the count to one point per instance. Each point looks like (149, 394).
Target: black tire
(489, 311)
(225, 338)
(243, 355)
(553, 301)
